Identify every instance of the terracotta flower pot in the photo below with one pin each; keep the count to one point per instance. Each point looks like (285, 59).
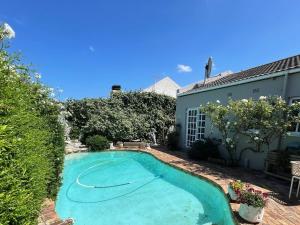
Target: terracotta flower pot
(232, 194)
(251, 214)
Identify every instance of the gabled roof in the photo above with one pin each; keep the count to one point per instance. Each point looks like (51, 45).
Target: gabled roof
(273, 67)
(165, 86)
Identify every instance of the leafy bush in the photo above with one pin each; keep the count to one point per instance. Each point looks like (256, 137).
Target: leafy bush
(31, 142)
(97, 142)
(202, 149)
(237, 186)
(124, 116)
(173, 140)
(261, 121)
(253, 198)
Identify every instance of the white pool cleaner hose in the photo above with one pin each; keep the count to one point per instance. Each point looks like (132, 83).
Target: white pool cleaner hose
(108, 186)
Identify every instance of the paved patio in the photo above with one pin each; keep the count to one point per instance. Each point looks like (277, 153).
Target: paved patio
(279, 210)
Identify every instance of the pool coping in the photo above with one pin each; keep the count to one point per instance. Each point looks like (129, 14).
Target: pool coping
(234, 219)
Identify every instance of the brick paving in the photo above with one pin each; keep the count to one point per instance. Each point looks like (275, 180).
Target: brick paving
(48, 215)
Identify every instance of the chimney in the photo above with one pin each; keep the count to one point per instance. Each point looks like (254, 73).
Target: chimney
(115, 89)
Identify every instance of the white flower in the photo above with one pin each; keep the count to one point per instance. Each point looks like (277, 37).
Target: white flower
(61, 106)
(244, 100)
(37, 76)
(262, 98)
(256, 138)
(218, 101)
(228, 140)
(12, 68)
(231, 146)
(8, 31)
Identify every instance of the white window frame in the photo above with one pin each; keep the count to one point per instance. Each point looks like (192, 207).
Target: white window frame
(196, 124)
(297, 131)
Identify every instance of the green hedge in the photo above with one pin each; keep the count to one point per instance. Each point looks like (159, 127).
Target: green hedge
(123, 117)
(97, 142)
(31, 143)
(173, 141)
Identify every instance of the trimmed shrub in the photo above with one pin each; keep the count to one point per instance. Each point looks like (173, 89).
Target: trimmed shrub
(202, 149)
(97, 142)
(173, 141)
(31, 142)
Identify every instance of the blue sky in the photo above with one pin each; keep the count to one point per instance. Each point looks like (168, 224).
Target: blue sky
(86, 46)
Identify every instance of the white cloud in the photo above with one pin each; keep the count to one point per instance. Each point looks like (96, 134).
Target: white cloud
(183, 68)
(91, 48)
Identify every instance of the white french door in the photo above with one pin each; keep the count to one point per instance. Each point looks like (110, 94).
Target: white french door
(195, 126)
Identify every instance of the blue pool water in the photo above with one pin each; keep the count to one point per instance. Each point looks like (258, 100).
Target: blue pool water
(134, 188)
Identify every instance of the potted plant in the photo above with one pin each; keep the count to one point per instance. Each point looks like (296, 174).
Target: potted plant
(252, 205)
(234, 189)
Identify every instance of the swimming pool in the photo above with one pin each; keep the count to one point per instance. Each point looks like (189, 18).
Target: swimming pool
(134, 188)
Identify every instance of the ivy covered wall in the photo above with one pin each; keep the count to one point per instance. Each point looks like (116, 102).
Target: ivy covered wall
(125, 116)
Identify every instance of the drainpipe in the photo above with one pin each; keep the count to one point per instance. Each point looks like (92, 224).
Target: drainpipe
(285, 82)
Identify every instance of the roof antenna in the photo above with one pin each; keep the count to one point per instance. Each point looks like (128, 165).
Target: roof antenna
(208, 68)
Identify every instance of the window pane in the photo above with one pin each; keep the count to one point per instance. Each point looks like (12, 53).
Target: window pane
(195, 126)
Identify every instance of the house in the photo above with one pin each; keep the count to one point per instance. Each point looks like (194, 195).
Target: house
(165, 86)
(279, 78)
